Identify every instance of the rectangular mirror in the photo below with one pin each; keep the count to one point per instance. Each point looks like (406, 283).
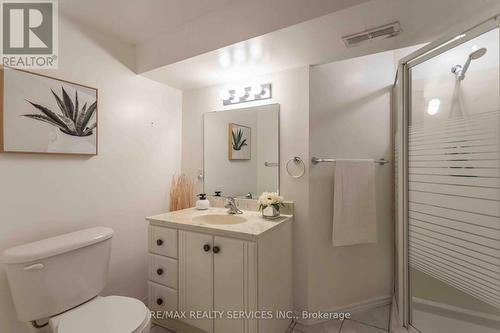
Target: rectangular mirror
(241, 151)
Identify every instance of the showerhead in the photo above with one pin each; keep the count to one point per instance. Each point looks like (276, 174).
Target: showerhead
(460, 71)
(478, 53)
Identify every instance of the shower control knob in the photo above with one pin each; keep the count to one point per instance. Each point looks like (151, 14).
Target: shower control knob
(159, 242)
(159, 271)
(216, 249)
(159, 301)
(206, 247)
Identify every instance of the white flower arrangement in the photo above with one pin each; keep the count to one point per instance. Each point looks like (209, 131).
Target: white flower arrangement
(267, 199)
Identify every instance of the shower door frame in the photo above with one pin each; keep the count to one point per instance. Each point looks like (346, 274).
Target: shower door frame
(431, 50)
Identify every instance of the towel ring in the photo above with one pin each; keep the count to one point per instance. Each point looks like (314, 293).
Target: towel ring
(296, 160)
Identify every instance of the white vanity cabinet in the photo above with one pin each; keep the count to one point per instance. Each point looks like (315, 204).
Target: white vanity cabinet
(242, 281)
(217, 274)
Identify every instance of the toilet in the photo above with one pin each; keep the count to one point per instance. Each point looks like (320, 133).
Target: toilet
(55, 284)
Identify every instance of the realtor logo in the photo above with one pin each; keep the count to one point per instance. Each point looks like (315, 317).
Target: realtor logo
(29, 34)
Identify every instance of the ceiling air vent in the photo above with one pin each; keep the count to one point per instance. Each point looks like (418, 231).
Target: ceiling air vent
(383, 32)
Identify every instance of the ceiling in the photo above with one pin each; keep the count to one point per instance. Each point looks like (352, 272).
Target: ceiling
(167, 31)
(319, 40)
(135, 21)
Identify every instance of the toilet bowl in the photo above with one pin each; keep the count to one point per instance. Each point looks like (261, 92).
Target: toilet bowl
(110, 314)
(59, 279)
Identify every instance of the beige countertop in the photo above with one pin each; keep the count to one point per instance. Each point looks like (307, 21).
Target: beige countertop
(252, 229)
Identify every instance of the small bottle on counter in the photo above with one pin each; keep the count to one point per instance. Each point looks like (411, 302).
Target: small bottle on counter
(202, 203)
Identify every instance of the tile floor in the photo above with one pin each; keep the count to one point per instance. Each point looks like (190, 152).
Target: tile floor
(158, 329)
(375, 320)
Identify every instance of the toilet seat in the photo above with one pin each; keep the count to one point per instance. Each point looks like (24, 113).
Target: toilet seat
(111, 314)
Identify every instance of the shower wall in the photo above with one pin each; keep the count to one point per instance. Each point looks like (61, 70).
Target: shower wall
(477, 93)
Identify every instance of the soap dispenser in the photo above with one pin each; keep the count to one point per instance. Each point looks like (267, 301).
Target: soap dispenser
(202, 203)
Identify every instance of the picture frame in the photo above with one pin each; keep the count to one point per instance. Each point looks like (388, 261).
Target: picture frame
(41, 114)
(239, 142)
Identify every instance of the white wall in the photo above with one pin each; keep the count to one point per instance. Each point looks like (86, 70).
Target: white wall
(350, 118)
(268, 148)
(291, 91)
(139, 150)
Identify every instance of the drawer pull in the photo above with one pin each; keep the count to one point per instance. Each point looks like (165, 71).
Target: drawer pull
(159, 301)
(159, 271)
(159, 242)
(216, 249)
(206, 247)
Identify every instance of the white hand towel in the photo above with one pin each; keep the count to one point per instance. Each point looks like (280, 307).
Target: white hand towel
(354, 212)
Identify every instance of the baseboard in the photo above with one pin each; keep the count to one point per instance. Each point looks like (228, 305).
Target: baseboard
(451, 311)
(445, 310)
(352, 308)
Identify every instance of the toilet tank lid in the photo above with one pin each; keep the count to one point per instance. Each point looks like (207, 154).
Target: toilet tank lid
(50, 247)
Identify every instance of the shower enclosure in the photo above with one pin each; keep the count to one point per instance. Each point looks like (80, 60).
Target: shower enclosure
(446, 106)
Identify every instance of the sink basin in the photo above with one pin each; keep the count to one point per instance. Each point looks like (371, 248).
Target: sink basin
(219, 219)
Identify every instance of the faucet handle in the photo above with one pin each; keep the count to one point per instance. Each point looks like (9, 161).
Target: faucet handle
(229, 202)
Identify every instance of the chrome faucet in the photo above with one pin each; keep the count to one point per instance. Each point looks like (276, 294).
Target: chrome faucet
(230, 204)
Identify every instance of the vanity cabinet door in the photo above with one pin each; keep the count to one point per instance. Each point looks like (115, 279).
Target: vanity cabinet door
(196, 276)
(235, 284)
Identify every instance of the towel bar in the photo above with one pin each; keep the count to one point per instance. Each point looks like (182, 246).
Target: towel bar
(316, 160)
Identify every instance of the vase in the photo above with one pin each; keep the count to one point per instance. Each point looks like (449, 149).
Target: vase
(270, 212)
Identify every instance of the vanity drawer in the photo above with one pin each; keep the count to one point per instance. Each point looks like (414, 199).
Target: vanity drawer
(161, 298)
(163, 241)
(163, 270)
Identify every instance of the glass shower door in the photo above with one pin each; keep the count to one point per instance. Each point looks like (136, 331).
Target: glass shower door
(454, 189)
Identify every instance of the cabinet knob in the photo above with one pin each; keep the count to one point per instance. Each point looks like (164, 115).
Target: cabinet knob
(206, 247)
(159, 271)
(216, 249)
(159, 242)
(159, 301)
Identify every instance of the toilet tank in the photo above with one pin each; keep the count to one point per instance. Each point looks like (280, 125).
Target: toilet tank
(53, 275)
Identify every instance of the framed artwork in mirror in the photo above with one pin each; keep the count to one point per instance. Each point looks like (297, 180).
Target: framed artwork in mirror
(239, 142)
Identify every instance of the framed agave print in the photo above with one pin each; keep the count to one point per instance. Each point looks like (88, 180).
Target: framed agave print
(42, 114)
(239, 142)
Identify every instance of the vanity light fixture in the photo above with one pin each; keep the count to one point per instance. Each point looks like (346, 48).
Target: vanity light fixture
(255, 92)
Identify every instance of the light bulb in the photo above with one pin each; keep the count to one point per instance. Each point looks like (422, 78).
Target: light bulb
(225, 95)
(433, 106)
(241, 92)
(266, 93)
(257, 89)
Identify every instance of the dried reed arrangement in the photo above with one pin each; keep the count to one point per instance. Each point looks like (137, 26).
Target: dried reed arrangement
(181, 193)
